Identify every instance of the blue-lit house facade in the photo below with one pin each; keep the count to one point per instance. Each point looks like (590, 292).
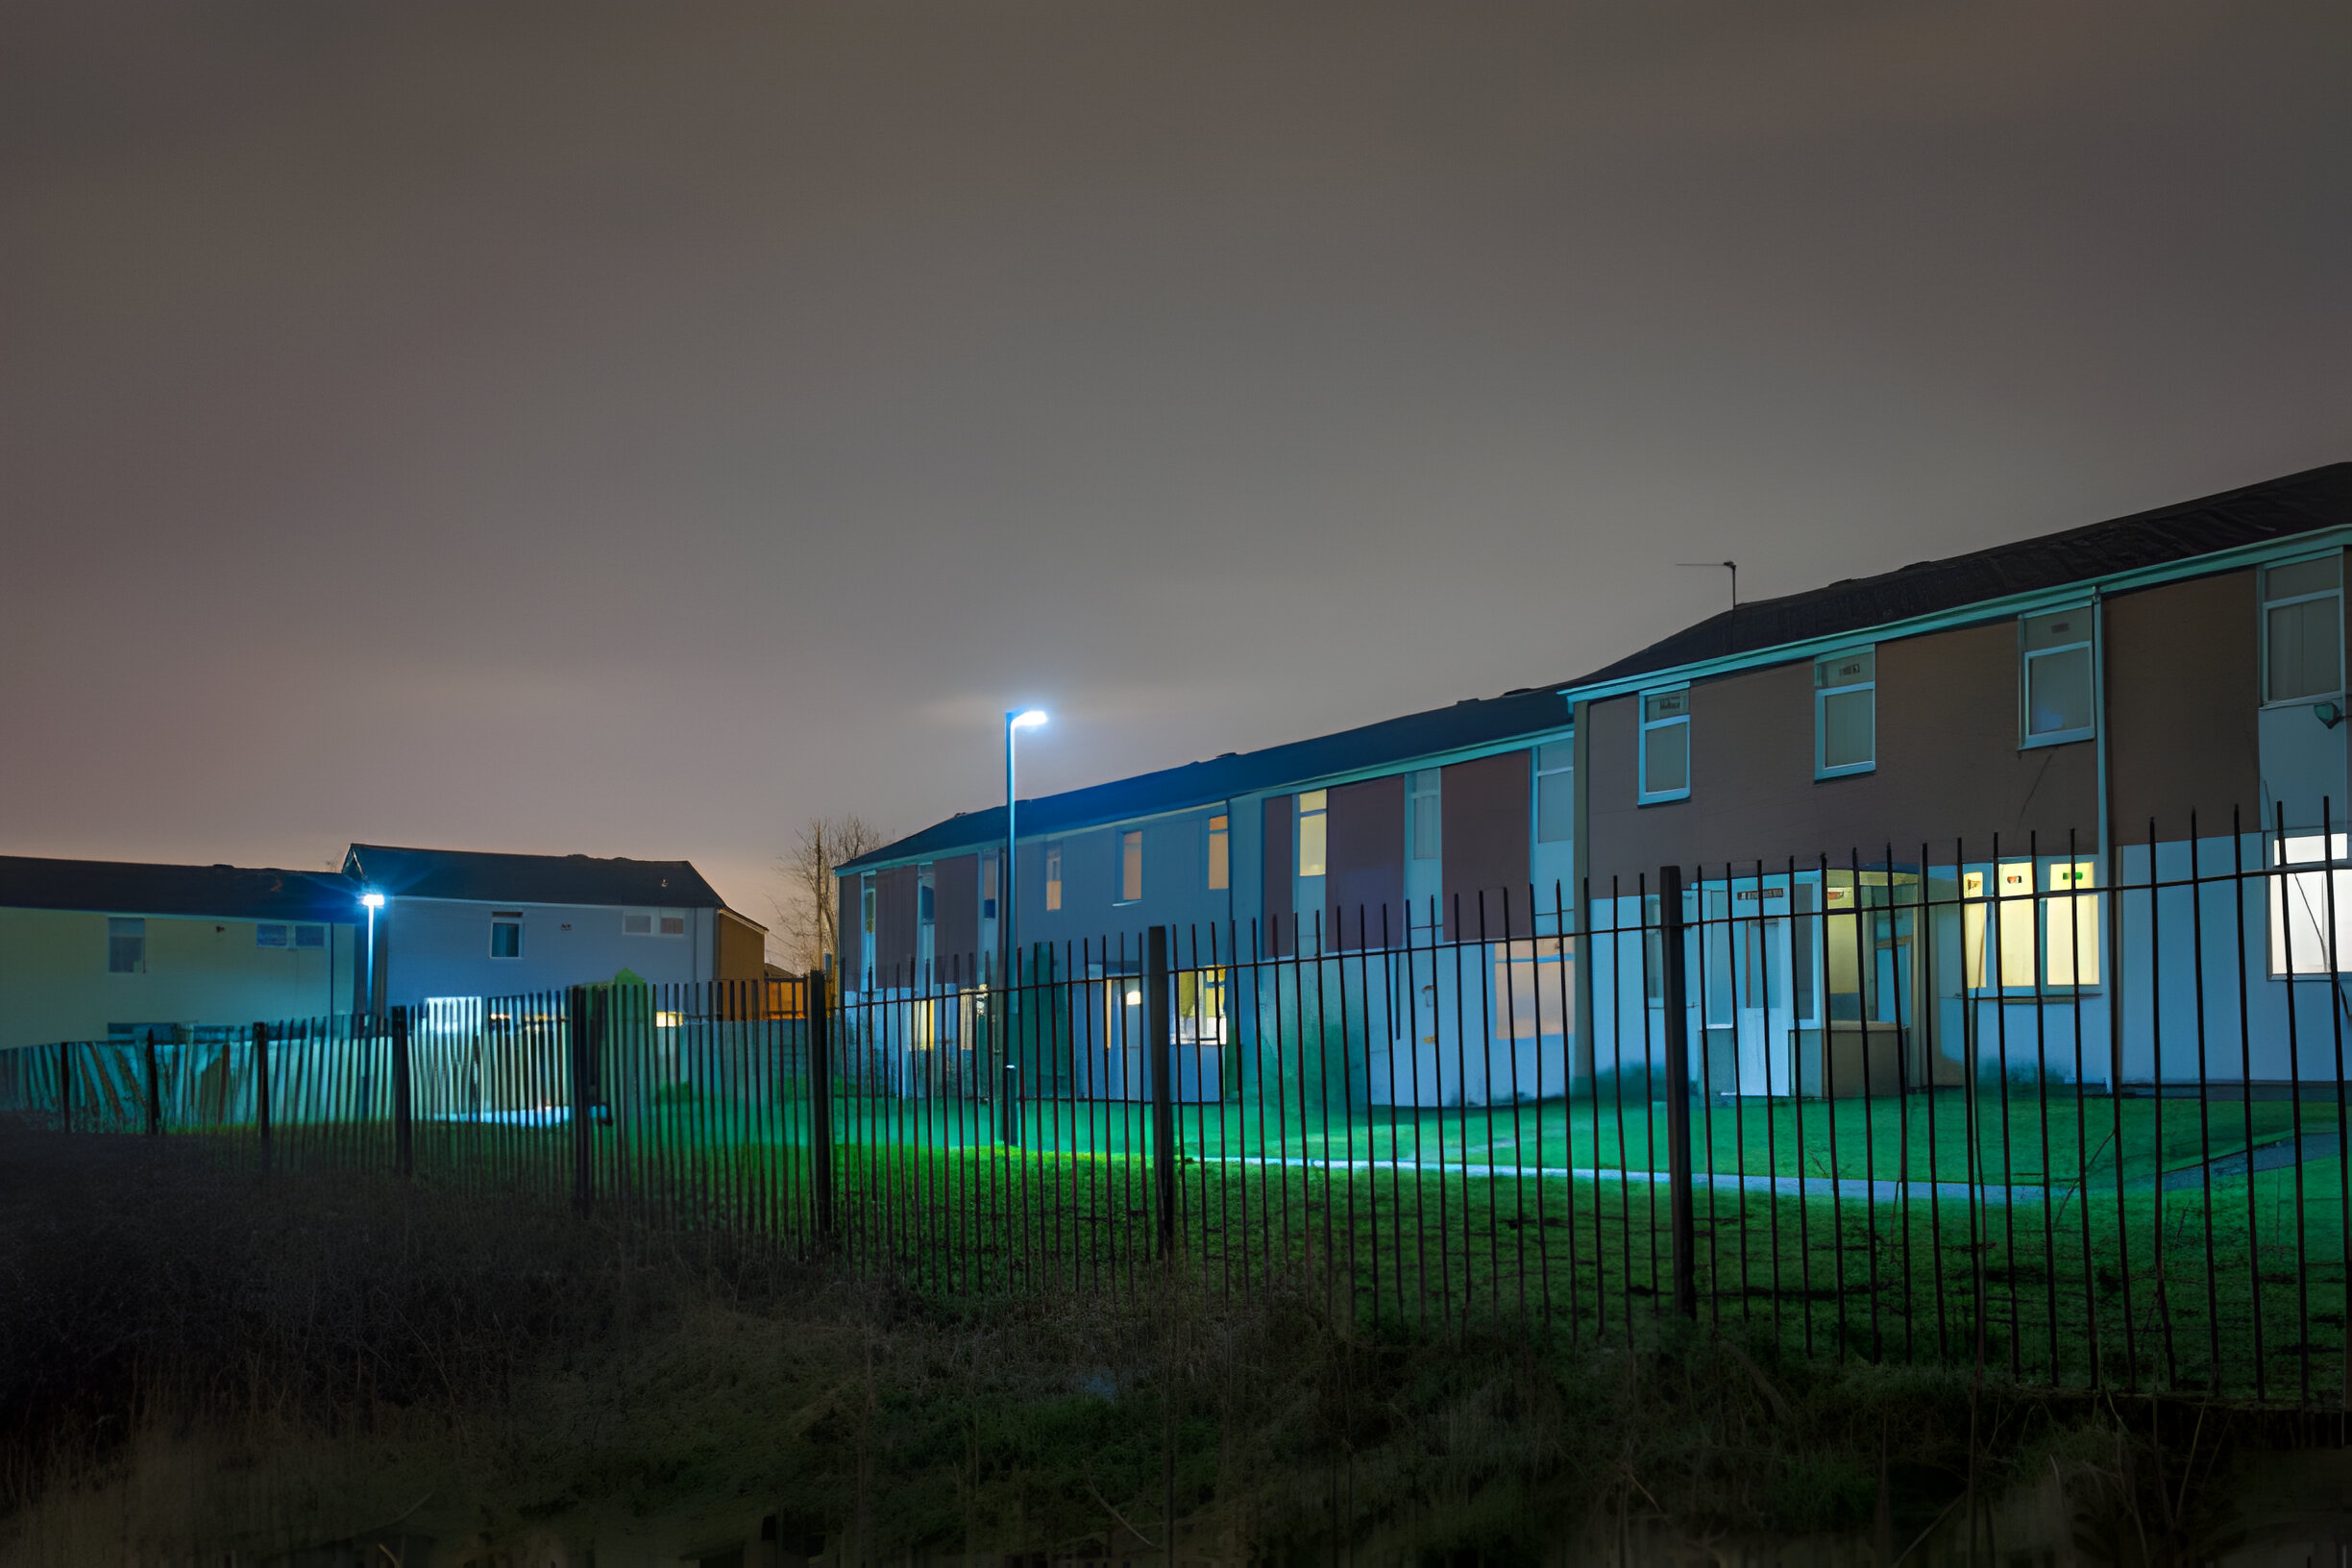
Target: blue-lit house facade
(1917, 816)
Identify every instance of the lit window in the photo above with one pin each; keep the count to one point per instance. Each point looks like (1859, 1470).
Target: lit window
(268, 935)
(1845, 714)
(2004, 941)
(309, 936)
(2306, 906)
(505, 933)
(1131, 866)
(1422, 817)
(1312, 843)
(1554, 792)
(1053, 876)
(1221, 854)
(2057, 675)
(2303, 630)
(1665, 745)
(126, 946)
(1200, 1007)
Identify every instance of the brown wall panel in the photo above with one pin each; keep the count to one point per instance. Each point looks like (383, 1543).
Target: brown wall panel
(1948, 765)
(1483, 804)
(1364, 882)
(894, 927)
(2184, 682)
(955, 917)
(1280, 865)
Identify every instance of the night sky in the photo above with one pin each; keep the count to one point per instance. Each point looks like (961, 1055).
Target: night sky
(631, 431)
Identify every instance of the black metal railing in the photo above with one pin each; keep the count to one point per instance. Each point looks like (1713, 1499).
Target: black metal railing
(2077, 1114)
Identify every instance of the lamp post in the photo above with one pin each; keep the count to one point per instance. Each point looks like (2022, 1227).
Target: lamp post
(371, 901)
(1013, 722)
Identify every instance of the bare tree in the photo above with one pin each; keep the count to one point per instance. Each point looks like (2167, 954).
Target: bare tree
(807, 907)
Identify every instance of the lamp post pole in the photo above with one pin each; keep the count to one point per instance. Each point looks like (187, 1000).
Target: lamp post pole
(1013, 722)
(372, 902)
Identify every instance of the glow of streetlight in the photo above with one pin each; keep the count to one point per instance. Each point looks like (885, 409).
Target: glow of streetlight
(372, 900)
(1030, 720)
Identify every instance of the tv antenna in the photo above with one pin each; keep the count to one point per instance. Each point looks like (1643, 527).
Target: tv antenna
(1731, 567)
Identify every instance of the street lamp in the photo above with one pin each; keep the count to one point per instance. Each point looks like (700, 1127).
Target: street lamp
(1013, 722)
(371, 901)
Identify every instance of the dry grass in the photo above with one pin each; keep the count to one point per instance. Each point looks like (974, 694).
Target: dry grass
(194, 1362)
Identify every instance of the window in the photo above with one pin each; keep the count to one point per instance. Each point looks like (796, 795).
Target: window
(1422, 814)
(641, 923)
(667, 923)
(1554, 792)
(987, 886)
(309, 936)
(267, 934)
(1053, 876)
(2023, 934)
(1313, 844)
(1131, 866)
(866, 910)
(505, 933)
(926, 897)
(1845, 714)
(2306, 906)
(2056, 654)
(1200, 1007)
(2303, 630)
(1221, 854)
(1665, 745)
(672, 924)
(126, 946)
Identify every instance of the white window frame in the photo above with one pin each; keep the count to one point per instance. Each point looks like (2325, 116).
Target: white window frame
(1821, 714)
(2027, 740)
(1565, 745)
(1425, 784)
(2261, 627)
(1130, 838)
(1649, 797)
(499, 919)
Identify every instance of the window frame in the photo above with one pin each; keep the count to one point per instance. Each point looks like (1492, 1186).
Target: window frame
(1050, 881)
(1644, 725)
(1130, 859)
(2264, 604)
(1216, 850)
(2027, 740)
(117, 931)
(1425, 784)
(1566, 745)
(1321, 812)
(500, 920)
(1821, 714)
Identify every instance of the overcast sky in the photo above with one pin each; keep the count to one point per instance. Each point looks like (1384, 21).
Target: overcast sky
(634, 431)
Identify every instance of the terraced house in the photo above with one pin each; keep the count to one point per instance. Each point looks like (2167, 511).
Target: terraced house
(2041, 718)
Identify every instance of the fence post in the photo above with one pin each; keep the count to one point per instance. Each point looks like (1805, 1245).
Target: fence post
(818, 1007)
(1677, 992)
(65, 1082)
(1011, 1113)
(154, 1088)
(575, 1037)
(261, 1089)
(1164, 1089)
(404, 1126)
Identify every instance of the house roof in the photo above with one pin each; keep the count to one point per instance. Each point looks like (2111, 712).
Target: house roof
(481, 877)
(117, 887)
(1470, 723)
(2320, 497)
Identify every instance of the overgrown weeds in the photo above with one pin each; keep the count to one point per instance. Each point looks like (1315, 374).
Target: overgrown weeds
(213, 1362)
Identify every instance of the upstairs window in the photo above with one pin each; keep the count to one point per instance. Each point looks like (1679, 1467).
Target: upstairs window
(269, 935)
(1131, 866)
(866, 909)
(126, 946)
(1845, 714)
(1053, 876)
(505, 933)
(309, 936)
(2055, 653)
(1220, 853)
(1422, 811)
(1312, 819)
(1665, 745)
(926, 897)
(670, 923)
(987, 886)
(2303, 630)
(1554, 792)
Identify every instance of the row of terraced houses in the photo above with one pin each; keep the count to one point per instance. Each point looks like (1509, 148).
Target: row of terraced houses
(2044, 715)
